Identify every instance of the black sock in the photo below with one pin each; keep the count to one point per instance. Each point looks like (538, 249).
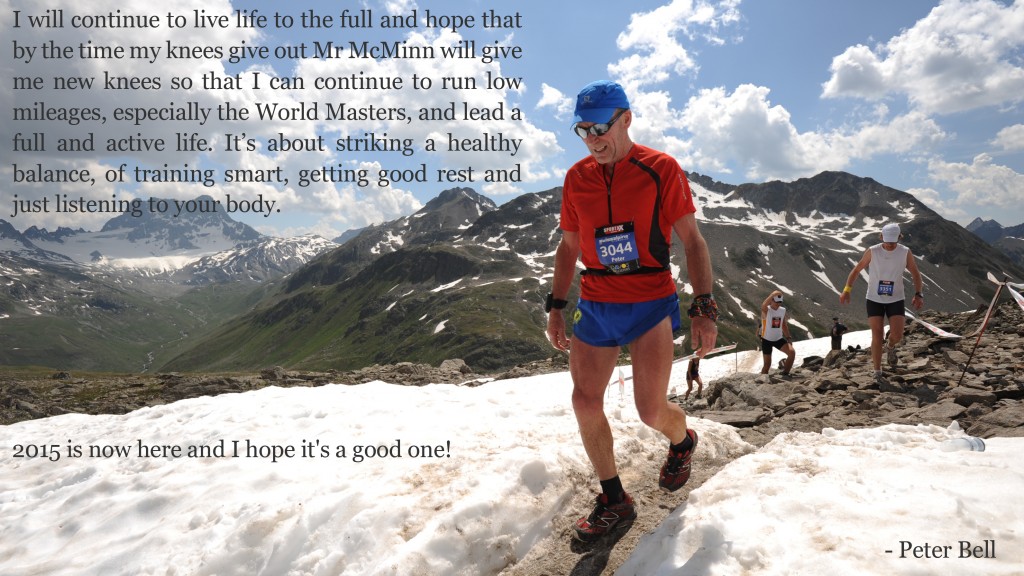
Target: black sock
(683, 446)
(612, 488)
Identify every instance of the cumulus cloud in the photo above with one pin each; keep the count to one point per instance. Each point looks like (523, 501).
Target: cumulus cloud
(934, 200)
(553, 98)
(858, 72)
(654, 38)
(962, 56)
(744, 128)
(982, 182)
(1010, 138)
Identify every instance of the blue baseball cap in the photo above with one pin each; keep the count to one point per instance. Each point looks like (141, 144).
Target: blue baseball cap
(598, 101)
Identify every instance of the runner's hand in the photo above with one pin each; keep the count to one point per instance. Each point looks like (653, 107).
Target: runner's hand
(556, 330)
(703, 334)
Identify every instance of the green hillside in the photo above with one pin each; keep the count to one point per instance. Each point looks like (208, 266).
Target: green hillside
(395, 310)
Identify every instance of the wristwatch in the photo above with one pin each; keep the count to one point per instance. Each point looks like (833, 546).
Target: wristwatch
(554, 303)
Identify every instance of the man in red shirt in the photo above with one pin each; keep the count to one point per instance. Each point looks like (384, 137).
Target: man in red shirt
(620, 205)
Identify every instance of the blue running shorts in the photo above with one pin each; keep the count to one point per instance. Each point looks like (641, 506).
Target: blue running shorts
(614, 324)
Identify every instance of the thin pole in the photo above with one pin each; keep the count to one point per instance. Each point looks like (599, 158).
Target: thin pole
(983, 325)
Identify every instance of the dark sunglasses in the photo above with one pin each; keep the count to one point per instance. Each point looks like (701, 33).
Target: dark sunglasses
(596, 129)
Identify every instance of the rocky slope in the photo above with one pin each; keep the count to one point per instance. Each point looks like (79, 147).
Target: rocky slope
(839, 391)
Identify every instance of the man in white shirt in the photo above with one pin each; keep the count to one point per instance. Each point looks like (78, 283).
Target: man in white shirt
(885, 296)
(775, 334)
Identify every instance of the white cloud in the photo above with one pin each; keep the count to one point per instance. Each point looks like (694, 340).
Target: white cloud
(980, 183)
(553, 98)
(399, 7)
(744, 129)
(900, 135)
(652, 36)
(933, 199)
(1010, 138)
(962, 56)
(857, 72)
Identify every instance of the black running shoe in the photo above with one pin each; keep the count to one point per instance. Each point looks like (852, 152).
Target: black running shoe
(676, 470)
(605, 517)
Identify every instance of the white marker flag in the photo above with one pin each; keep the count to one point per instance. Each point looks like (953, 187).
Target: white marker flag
(1016, 295)
(935, 329)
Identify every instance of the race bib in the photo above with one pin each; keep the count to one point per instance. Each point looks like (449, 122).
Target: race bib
(616, 248)
(885, 288)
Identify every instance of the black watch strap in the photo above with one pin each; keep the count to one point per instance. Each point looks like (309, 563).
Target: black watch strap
(554, 303)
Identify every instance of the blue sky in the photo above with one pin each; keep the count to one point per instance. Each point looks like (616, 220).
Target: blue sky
(925, 97)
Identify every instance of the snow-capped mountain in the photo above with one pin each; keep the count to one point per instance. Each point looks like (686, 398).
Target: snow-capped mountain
(452, 210)
(440, 220)
(805, 236)
(13, 242)
(465, 278)
(195, 248)
(474, 289)
(154, 242)
(802, 237)
(258, 260)
(120, 298)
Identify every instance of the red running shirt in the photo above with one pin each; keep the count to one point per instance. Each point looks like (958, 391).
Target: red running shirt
(647, 188)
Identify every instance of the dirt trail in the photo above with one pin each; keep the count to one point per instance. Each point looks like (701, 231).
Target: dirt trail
(561, 555)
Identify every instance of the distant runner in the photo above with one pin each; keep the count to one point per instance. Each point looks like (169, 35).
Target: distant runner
(775, 334)
(838, 329)
(885, 296)
(693, 375)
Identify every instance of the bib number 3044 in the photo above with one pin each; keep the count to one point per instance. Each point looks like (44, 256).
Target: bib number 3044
(616, 248)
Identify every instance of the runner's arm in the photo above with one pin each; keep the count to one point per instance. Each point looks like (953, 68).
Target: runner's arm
(703, 331)
(844, 296)
(566, 255)
(917, 301)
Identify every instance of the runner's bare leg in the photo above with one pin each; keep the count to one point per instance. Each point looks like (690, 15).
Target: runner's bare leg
(591, 368)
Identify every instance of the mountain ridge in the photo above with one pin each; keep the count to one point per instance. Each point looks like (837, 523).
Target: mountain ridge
(465, 278)
(1008, 240)
(767, 234)
(123, 297)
